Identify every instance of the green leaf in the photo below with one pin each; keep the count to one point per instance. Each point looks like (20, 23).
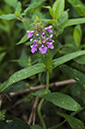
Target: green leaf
(17, 123)
(2, 114)
(79, 6)
(8, 16)
(12, 3)
(2, 55)
(14, 124)
(23, 74)
(38, 68)
(73, 122)
(67, 58)
(80, 59)
(74, 74)
(77, 34)
(76, 21)
(18, 9)
(63, 19)
(40, 92)
(35, 127)
(32, 6)
(23, 60)
(58, 8)
(63, 101)
(23, 39)
(47, 60)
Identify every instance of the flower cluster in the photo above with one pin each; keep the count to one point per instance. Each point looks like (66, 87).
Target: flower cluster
(41, 38)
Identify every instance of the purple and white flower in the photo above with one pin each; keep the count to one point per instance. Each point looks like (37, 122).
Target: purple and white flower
(40, 39)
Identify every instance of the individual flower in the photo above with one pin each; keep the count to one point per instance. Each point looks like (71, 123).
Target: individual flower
(41, 39)
(49, 29)
(30, 33)
(43, 49)
(34, 48)
(50, 45)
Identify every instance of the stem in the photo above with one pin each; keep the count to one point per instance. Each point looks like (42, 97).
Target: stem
(39, 113)
(47, 85)
(41, 102)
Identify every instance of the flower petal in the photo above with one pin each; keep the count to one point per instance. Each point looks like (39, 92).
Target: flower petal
(50, 45)
(43, 49)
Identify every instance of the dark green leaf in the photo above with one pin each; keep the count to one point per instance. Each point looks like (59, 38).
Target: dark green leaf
(74, 74)
(23, 74)
(38, 68)
(8, 16)
(73, 122)
(63, 101)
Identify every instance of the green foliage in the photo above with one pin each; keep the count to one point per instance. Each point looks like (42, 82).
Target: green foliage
(2, 114)
(8, 16)
(35, 127)
(79, 6)
(15, 124)
(77, 35)
(76, 75)
(47, 60)
(63, 101)
(16, 18)
(73, 122)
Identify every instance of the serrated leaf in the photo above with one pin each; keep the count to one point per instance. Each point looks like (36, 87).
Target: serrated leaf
(23, 39)
(73, 122)
(79, 6)
(8, 16)
(63, 101)
(74, 74)
(38, 68)
(23, 74)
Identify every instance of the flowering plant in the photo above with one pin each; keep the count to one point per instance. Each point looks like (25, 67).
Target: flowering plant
(41, 39)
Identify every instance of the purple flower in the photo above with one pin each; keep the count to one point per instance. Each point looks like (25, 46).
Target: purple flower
(43, 49)
(49, 39)
(34, 48)
(49, 29)
(30, 33)
(49, 45)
